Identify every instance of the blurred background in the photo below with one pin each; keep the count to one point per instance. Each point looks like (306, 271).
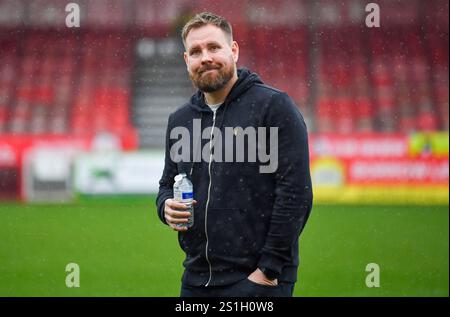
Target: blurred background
(83, 114)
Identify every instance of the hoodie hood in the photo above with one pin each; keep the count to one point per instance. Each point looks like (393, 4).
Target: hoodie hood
(246, 79)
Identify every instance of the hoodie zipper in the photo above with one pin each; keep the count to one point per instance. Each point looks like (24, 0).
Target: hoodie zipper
(207, 201)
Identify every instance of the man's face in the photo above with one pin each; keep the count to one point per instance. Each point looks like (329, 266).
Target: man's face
(210, 58)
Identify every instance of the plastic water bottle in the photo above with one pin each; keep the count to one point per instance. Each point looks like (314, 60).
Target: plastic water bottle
(183, 193)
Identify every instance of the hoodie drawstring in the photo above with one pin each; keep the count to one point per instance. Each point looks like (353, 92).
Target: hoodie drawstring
(195, 147)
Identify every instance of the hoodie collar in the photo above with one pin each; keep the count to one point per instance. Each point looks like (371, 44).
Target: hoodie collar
(246, 79)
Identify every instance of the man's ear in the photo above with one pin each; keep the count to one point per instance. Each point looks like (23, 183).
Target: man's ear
(185, 58)
(235, 51)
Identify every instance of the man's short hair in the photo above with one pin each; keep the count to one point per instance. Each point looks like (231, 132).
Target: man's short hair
(206, 18)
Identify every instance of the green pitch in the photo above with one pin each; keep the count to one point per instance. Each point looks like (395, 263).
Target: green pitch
(123, 250)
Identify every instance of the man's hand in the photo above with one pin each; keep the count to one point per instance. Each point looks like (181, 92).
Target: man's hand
(174, 214)
(258, 277)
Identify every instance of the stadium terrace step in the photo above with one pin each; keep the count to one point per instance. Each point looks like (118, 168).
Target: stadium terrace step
(160, 85)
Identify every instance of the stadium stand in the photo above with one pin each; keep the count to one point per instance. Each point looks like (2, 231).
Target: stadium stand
(345, 77)
(61, 84)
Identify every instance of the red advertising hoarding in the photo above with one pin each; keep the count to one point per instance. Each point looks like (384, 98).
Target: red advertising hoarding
(13, 149)
(381, 166)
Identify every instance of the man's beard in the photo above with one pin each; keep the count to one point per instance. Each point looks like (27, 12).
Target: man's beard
(209, 83)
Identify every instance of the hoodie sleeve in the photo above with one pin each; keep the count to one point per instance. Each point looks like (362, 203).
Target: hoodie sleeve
(293, 191)
(166, 181)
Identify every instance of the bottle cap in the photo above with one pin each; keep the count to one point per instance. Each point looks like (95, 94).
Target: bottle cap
(179, 177)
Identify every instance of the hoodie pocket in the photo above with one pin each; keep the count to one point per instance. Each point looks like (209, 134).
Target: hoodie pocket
(226, 232)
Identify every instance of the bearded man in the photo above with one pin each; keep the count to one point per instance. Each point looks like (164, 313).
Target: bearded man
(247, 220)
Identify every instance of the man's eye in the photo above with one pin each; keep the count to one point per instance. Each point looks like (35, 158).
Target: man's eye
(195, 52)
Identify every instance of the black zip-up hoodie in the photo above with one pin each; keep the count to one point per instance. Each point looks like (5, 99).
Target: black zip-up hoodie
(244, 219)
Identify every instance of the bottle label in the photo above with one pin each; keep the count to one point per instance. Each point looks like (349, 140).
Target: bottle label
(187, 195)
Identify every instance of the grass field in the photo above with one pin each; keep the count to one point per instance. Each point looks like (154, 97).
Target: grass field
(123, 250)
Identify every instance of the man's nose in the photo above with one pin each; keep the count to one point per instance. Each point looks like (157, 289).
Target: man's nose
(206, 58)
